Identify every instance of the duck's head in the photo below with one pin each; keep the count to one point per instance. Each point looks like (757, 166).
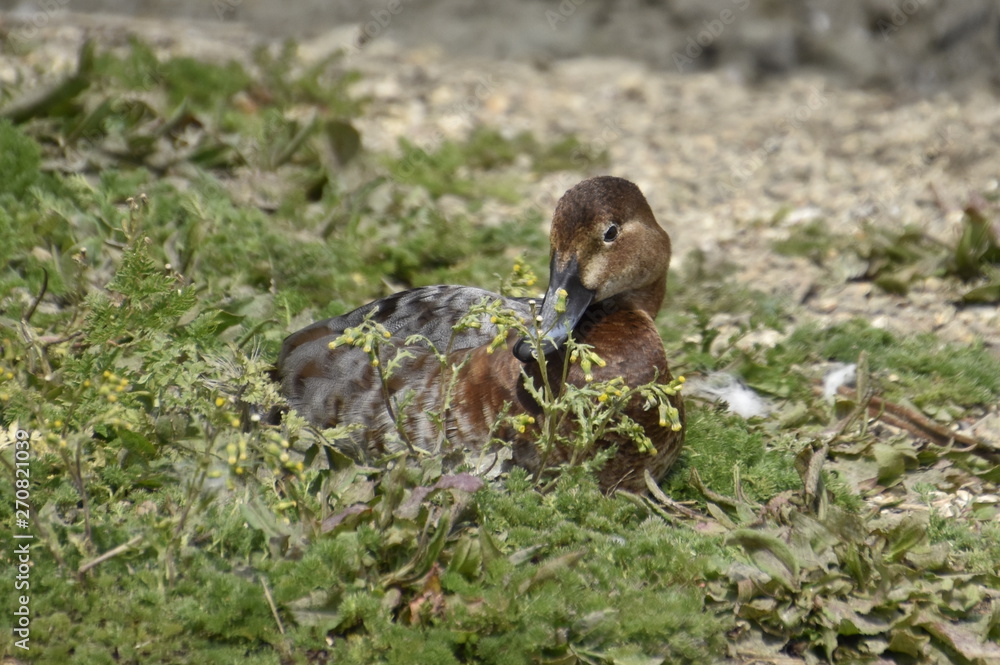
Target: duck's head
(606, 245)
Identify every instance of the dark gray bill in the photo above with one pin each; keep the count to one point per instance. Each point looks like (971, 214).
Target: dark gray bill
(555, 326)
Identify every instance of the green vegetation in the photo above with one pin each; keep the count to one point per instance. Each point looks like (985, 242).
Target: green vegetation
(896, 259)
(922, 368)
(144, 293)
(449, 168)
(725, 450)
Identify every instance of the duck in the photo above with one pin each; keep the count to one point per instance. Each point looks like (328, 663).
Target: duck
(608, 265)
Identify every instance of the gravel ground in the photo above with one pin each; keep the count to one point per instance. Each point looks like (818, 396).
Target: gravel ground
(926, 44)
(729, 166)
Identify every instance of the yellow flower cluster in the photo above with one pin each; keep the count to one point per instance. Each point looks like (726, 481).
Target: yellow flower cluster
(366, 336)
(562, 295)
(612, 389)
(111, 385)
(587, 359)
(520, 280)
(521, 422)
(53, 432)
(523, 274)
(236, 452)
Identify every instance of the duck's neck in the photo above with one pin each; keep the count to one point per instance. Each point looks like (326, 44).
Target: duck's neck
(648, 299)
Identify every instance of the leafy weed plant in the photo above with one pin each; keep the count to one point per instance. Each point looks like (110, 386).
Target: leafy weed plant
(573, 418)
(895, 259)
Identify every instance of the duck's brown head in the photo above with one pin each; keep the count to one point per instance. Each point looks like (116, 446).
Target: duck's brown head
(606, 244)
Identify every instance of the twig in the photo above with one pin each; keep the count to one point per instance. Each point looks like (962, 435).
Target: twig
(82, 487)
(38, 298)
(270, 602)
(50, 341)
(108, 555)
(919, 425)
(659, 495)
(712, 496)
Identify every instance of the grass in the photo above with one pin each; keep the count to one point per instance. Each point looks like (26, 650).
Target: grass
(922, 369)
(142, 300)
(896, 259)
(720, 444)
(447, 169)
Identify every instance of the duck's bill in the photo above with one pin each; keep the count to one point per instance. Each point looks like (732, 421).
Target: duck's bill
(565, 302)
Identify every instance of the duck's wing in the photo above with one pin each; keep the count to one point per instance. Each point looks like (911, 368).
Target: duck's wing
(430, 311)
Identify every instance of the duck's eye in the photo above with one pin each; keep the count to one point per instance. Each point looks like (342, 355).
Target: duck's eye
(611, 233)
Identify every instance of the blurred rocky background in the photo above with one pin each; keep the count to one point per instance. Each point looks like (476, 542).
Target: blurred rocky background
(921, 45)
